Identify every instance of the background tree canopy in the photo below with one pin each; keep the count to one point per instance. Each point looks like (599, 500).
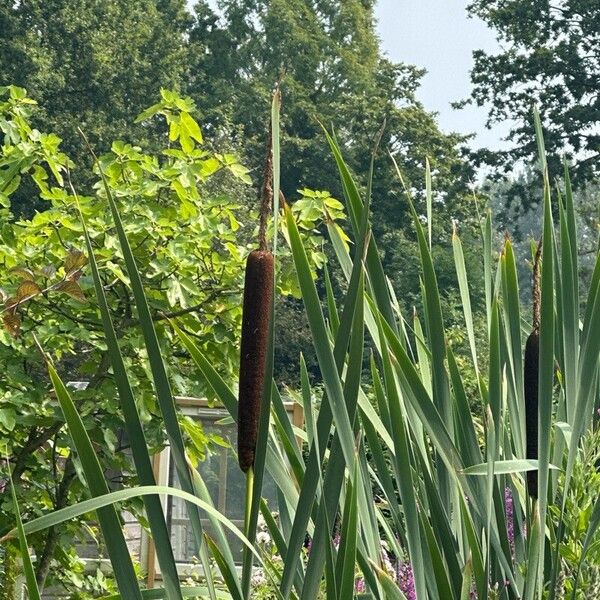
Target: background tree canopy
(551, 56)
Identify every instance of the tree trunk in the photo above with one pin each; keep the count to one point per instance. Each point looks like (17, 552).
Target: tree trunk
(43, 564)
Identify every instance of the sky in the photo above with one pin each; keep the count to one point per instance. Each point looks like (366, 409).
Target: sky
(439, 36)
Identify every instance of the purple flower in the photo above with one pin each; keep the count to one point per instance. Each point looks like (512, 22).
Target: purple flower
(336, 540)
(406, 580)
(510, 521)
(359, 585)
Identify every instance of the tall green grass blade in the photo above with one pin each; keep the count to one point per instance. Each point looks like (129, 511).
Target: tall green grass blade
(226, 562)
(437, 342)
(159, 374)
(534, 563)
(429, 200)
(135, 433)
(107, 500)
(229, 577)
(570, 307)
(404, 477)
(486, 236)
(334, 474)
(506, 467)
(332, 312)
(479, 574)
(107, 516)
(373, 261)
(467, 581)
(465, 296)
(464, 428)
(30, 580)
(440, 569)
(196, 591)
(391, 590)
(346, 560)
(546, 367)
(546, 353)
(312, 473)
(512, 328)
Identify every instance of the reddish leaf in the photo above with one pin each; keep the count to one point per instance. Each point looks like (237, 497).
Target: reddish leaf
(72, 288)
(28, 289)
(12, 323)
(23, 273)
(74, 262)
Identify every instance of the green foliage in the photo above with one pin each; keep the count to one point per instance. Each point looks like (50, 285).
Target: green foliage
(185, 214)
(332, 71)
(549, 57)
(581, 498)
(93, 63)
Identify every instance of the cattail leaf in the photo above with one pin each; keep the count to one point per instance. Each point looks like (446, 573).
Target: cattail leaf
(479, 574)
(465, 430)
(391, 590)
(569, 320)
(428, 200)
(440, 569)
(441, 526)
(546, 366)
(135, 432)
(30, 580)
(512, 329)
(345, 567)
(467, 581)
(109, 499)
(110, 525)
(162, 386)
(403, 471)
(506, 467)
(313, 476)
(196, 591)
(373, 263)
(229, 576)
(334, 473)
(465, 296)
(535, 544)
(332, 312)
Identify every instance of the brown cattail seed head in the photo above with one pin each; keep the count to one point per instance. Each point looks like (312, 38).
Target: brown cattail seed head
(530, 380)
(258, 292)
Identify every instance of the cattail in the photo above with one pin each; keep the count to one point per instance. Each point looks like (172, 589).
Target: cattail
(531, 366)
(258, 291)
(256, 313)
(530, 379)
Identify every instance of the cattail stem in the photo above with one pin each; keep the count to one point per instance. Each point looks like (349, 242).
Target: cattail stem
(267, 194)
(248, 507)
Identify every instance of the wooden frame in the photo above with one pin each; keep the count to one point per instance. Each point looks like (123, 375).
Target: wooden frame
(196, 408)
